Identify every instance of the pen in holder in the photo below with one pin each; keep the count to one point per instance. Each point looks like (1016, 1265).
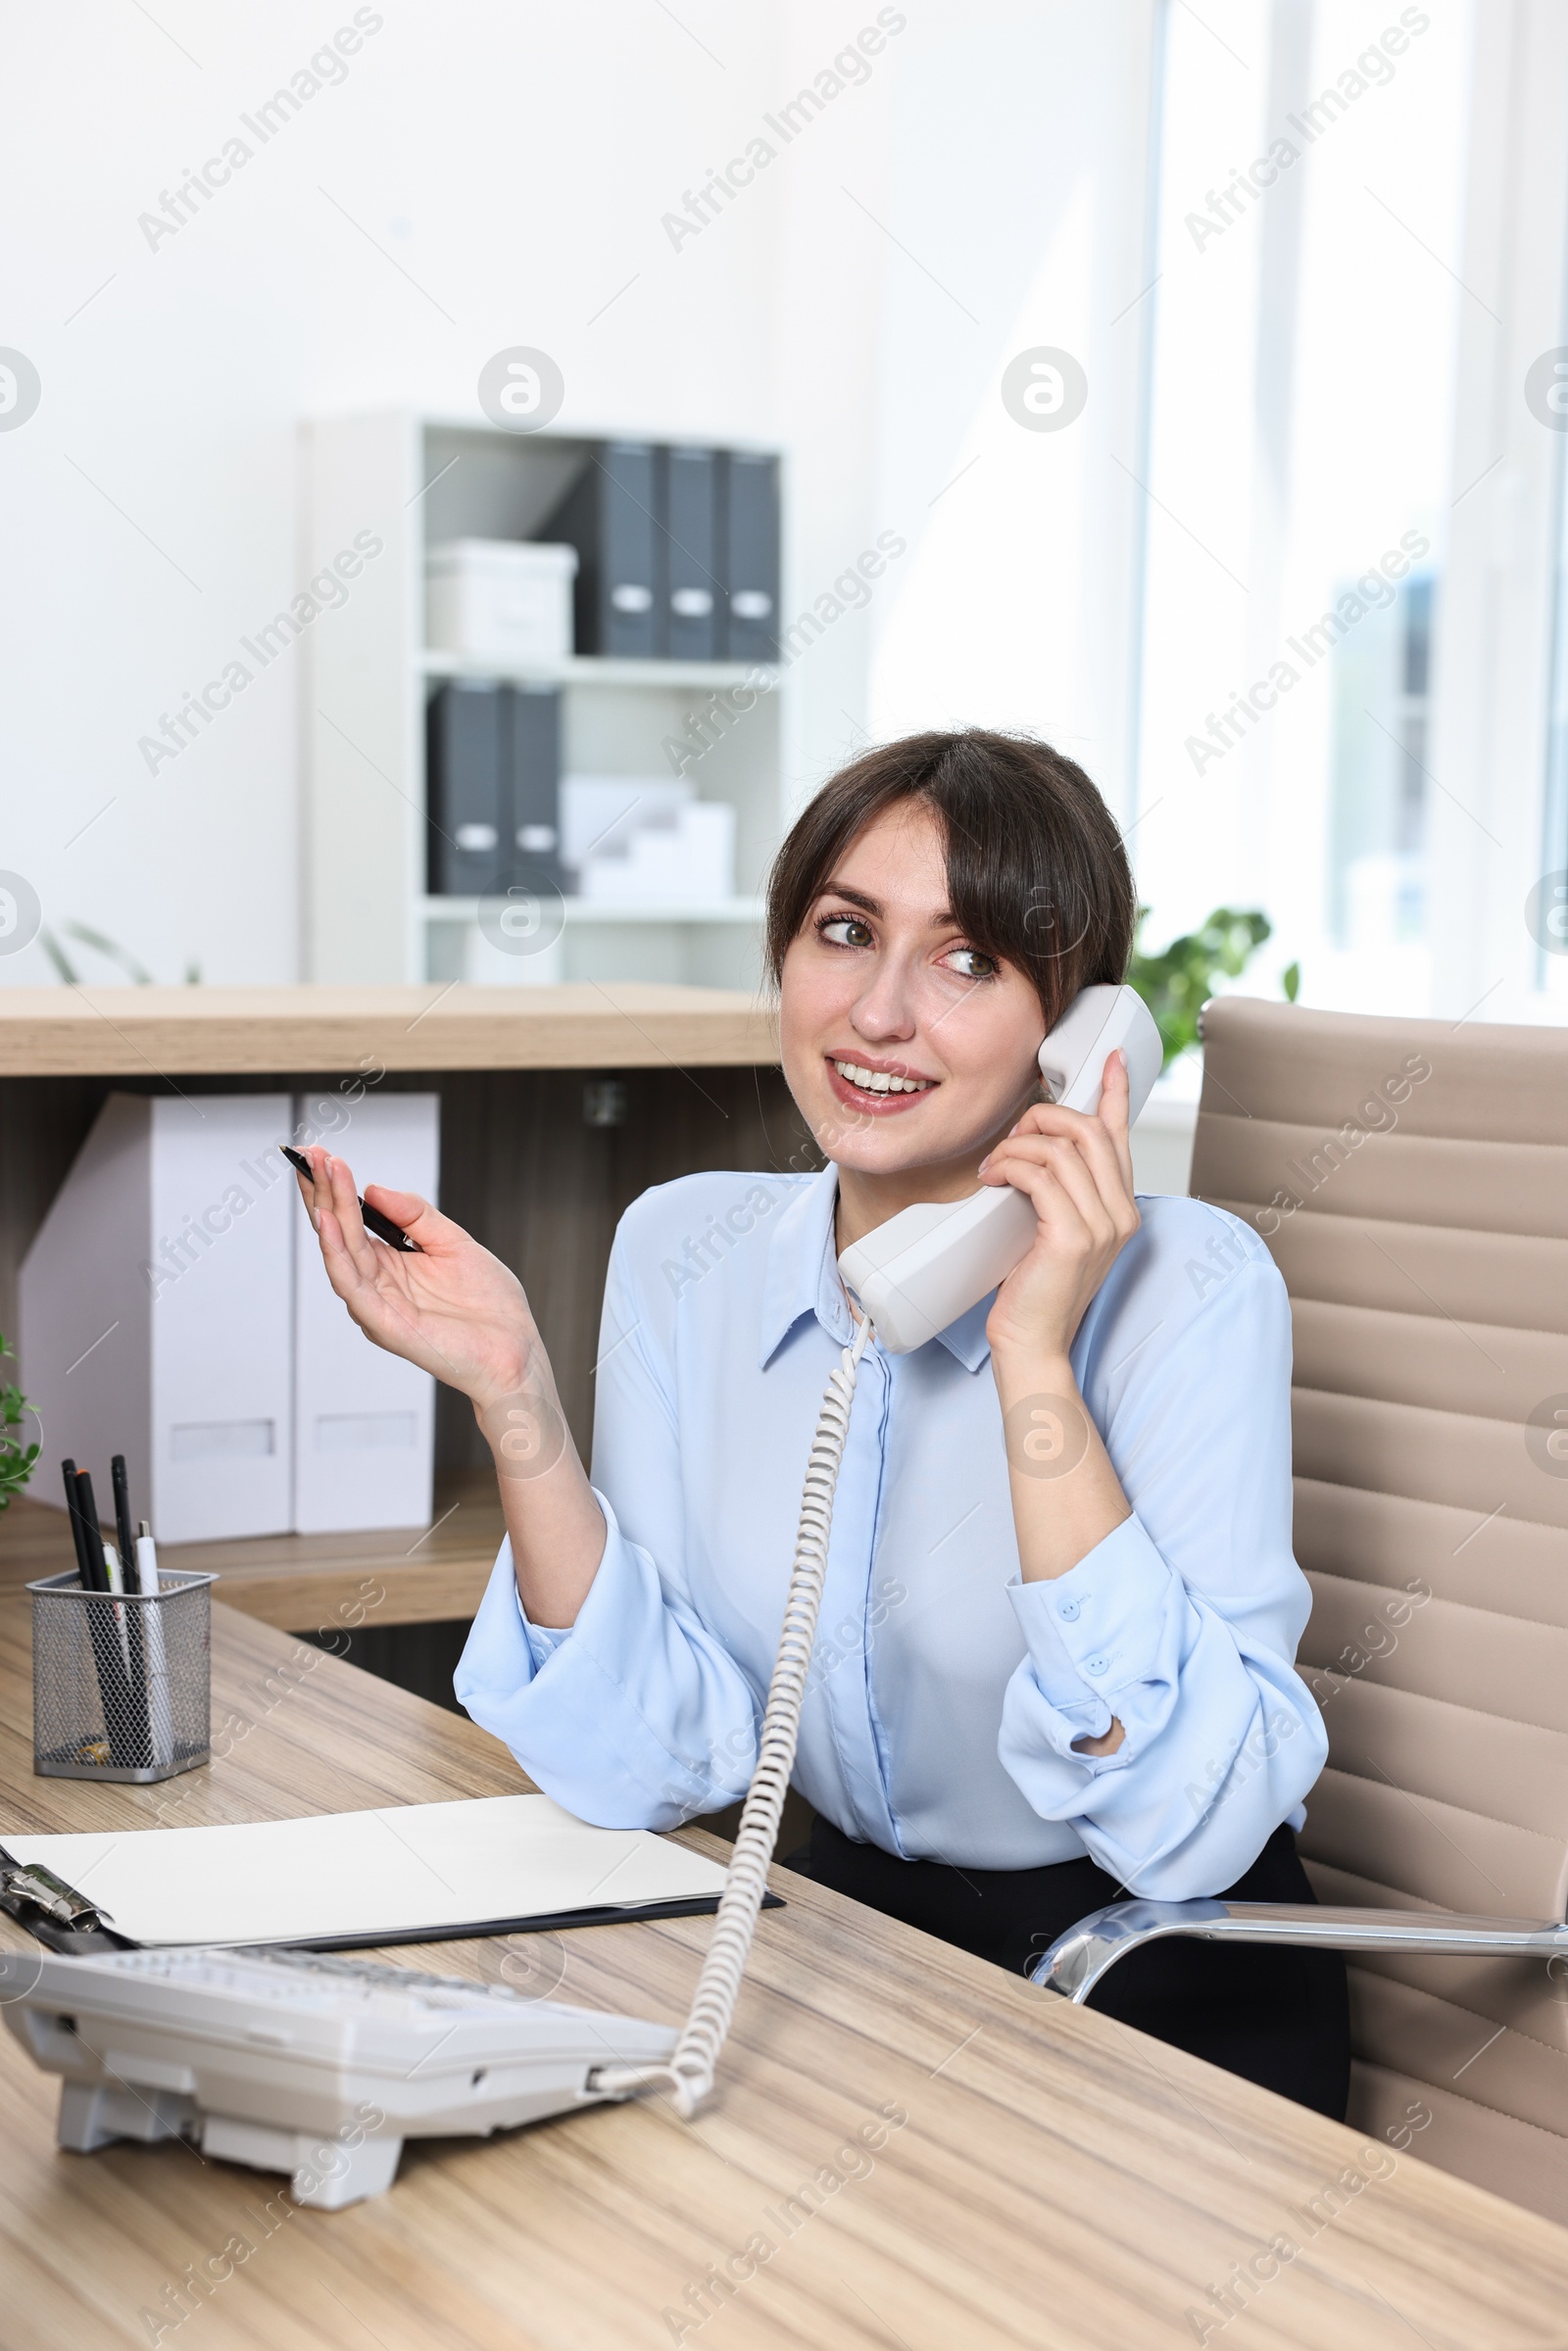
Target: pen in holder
(121, 1681)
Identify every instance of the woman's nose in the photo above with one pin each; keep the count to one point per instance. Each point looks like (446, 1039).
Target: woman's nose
(886, 1011)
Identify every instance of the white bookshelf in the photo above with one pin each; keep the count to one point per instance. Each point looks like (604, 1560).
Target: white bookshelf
(416, 482)
(597, 669)
(590, 910)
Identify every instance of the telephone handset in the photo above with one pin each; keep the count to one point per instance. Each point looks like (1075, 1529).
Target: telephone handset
(923, 1269)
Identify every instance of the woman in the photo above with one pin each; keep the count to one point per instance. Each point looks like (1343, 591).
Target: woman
(1060, 1609)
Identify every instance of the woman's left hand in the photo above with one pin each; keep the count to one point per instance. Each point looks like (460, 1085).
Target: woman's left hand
(1077, 1171)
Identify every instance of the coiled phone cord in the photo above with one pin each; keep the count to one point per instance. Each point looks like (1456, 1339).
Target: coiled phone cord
(689, 2075)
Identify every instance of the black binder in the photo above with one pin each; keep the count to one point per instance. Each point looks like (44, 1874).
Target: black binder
(467, 790)
(531, 849)
(607, 515)
(748, 538)
(690, 582)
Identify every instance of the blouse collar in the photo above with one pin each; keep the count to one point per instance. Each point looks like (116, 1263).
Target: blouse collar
(802, 1278)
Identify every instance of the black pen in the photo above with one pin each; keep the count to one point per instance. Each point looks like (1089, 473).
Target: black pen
(88, 1508)
(374, 1223)
(136, 1658)
(90, 1572)
(128, 1727)
(106, 1633)
(128, 1572)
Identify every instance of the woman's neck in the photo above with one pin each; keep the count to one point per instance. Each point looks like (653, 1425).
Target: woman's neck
(867, 1200)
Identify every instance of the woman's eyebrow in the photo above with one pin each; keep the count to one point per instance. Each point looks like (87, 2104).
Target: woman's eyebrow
(855, 898)
(944, 920)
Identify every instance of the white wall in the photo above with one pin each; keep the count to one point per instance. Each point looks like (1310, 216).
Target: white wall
(515, 162)
(491, 173)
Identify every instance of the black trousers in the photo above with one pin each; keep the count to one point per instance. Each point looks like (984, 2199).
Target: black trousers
(1276, 2015)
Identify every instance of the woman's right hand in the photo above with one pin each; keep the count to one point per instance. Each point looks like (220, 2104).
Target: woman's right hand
(454, 1309)
(458, 1312)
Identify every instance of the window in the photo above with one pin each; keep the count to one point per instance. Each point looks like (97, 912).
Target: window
(1301, 462)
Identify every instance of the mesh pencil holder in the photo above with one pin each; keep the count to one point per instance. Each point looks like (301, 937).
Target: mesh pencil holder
(122, 1684)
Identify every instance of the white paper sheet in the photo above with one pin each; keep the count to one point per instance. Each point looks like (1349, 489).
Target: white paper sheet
(435, 1867)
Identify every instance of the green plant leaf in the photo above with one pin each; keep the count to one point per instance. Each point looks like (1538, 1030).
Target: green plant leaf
(16, 1460)
(57, 956)
(1179, 981)
(121, 956)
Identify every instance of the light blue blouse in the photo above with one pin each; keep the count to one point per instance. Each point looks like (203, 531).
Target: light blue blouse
(945, 1693)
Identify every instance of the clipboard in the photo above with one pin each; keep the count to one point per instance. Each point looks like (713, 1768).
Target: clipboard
(413, 1873)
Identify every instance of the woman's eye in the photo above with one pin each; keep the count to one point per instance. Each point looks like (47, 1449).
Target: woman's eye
(846, 930)
(970, 963)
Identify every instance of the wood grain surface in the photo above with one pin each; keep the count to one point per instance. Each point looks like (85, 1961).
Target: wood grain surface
(162, 1032)
(1046, 2178)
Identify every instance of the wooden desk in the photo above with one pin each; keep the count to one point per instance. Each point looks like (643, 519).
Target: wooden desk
(1060, 2182)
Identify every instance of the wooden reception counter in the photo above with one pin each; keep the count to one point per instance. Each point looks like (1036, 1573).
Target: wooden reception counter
(558, 1105)
(138, 1032)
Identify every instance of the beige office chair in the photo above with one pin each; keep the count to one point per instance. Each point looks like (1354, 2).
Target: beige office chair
(1411, 1180)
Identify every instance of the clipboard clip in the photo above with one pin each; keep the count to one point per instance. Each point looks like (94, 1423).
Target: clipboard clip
(52, 1911)
(30, 1884)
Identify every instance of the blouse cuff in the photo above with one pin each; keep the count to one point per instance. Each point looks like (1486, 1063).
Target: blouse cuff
(543, 1639)
(1098, 1629)
(671, 1728)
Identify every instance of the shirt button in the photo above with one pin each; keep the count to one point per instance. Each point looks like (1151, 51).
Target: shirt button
(1095, 1665)
(1068, 1609)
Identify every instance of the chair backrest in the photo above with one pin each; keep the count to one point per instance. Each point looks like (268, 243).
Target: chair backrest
(1412, 1179)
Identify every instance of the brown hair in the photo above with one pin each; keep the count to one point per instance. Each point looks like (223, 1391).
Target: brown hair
(1037, 874)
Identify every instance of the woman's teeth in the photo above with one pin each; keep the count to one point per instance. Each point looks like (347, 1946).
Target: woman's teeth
(881, 1081)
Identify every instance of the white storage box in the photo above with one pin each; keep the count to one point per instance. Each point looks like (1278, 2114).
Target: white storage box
(155, 1318)
(598, 814)
(686, 859)
(364, 1420)
(500, 600)
(173, 1308)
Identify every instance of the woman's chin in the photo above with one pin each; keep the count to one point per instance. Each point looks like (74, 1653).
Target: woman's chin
(891, 1148)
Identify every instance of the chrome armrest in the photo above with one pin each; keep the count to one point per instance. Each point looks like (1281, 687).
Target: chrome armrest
(1077, 1960)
